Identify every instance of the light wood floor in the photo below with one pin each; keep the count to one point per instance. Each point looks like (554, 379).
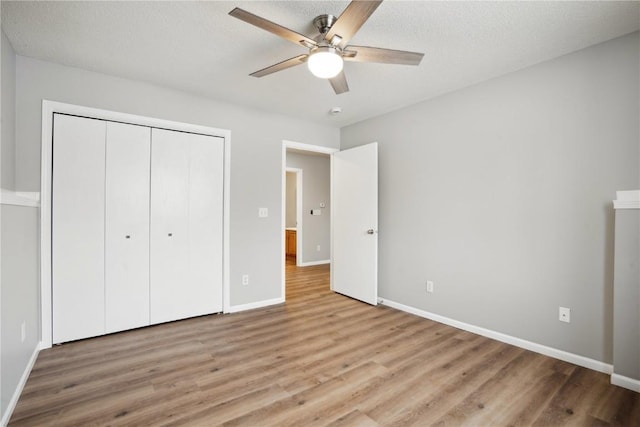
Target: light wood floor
(319, 359)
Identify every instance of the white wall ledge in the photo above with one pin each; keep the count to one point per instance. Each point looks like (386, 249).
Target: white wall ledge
(19, 198)
(627, 200)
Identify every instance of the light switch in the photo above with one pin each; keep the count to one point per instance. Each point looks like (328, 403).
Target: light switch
(263, 212)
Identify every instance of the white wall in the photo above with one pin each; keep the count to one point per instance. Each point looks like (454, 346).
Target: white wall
(501, 194)
(315, 190)
(256, 156)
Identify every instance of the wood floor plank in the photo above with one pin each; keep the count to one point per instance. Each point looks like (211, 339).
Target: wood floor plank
(491, 403)
(304, 405)
(319, 359)
(354, 418)
(442, 385)
(619, 407)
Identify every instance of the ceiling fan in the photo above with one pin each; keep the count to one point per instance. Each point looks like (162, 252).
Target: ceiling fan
(329, 49)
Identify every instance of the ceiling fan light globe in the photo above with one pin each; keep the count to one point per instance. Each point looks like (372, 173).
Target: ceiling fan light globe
(325, 62)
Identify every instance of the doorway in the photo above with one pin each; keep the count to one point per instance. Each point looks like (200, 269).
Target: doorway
(311, 166)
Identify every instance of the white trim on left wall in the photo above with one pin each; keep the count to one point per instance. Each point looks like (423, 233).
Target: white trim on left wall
(51, 107)
(20, 198)
(627, 200)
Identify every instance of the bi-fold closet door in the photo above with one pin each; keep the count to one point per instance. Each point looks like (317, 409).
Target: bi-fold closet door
(186, 223)
(136, 226)
(78, 212)
(126, 251)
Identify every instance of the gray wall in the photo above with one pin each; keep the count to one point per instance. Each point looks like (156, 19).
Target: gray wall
(8, 90)
(18, 253)
(626, 320)
(291, 200)
(501, 194)
(19, 294)
(315, 190)
(256, 154)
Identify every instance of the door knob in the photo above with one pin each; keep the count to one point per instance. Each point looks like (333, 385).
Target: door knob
(370, 231)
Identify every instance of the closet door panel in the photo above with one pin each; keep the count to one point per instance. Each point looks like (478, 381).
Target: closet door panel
(78, 204)
(127, 226)
(205, 221)
(186, 202)
(170, 298)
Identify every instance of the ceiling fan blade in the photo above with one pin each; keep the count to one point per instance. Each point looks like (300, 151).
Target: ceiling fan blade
(287, 63)
(385, 56)
(339, 83)
(272, 27)
(351, 20)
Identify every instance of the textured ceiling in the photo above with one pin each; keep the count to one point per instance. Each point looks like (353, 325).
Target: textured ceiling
(197, 47)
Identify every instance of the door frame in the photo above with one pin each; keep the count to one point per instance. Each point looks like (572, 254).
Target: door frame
(299, 217)
(312, 149)
(46, 169)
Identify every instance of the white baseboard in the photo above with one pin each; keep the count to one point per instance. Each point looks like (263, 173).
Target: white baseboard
(626, 382)
(518, 342)
(18, 391)
(258, 304)
(310, 263)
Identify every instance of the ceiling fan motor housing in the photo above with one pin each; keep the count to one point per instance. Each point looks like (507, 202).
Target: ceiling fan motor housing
(324, 22)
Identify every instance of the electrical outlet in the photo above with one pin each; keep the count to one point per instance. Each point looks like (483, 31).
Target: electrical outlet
(564, 314)
(263, 212)
(430, 286)
(245, 279)
(318, 248)
(23, 331)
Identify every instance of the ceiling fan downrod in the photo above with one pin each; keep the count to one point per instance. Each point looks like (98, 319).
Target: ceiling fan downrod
(324, 22)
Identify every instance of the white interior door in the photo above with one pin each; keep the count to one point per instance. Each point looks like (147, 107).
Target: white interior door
(127, 226)
(354, 218)
(186, 225)
(78, 205)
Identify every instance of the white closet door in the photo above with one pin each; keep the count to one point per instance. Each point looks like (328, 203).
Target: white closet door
(205, 220)
(78, 228)
(127, 226)
(186, 225)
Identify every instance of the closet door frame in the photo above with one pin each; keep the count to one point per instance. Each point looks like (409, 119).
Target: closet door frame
(49, 108)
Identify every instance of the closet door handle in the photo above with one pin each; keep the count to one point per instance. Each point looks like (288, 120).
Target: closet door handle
(127, 236)
(170, 234)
